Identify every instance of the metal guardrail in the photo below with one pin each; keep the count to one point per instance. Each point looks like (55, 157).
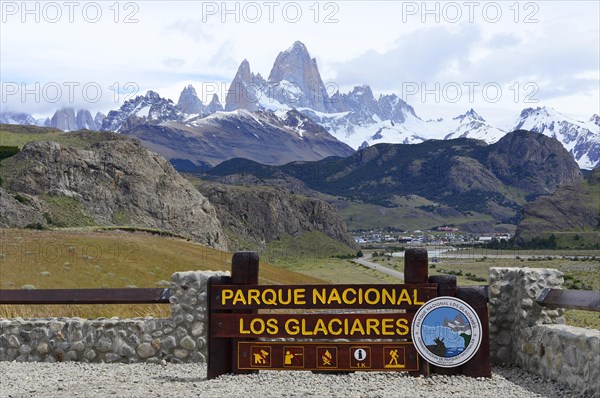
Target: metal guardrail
(86, 296)
(572, 299)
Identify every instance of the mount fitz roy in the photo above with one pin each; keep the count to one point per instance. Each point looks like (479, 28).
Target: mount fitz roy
(290, 116)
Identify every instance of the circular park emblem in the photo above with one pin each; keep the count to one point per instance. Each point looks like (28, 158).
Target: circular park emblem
(446, 332)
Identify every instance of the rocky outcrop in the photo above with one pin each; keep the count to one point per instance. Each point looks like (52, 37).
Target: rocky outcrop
(264, 214)
(112, 182)
(533, 162)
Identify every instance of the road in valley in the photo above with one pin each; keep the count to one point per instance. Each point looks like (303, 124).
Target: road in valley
(364, 261)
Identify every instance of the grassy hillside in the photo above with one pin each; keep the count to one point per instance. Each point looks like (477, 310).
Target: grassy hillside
(87, 258)
(16, 135)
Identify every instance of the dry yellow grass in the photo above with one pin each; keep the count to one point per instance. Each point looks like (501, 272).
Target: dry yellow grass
(71, 259)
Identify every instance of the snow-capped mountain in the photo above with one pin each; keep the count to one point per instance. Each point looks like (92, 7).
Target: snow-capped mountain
(580, 138)
(147, 109)
(17, 118)
(357, 118)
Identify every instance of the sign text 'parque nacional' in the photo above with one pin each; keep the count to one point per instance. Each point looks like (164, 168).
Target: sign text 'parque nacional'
(322, 296)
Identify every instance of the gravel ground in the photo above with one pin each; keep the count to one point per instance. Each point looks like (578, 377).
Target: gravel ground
(189, 380)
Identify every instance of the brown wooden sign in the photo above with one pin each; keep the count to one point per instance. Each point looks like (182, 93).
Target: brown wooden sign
(240, 339)
(327, 356)
(321, 296)
(336, 326)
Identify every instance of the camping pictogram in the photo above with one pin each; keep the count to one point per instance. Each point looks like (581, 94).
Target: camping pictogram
(261, 357)
(293, 357)
(327, 357)
(394, 357)
(360, 357)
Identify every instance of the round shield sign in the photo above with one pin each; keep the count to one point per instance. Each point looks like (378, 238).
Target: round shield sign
(446, 332)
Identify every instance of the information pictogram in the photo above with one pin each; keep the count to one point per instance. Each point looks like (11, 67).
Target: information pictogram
(360, 357)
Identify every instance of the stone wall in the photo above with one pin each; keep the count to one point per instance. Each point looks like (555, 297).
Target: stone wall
(534, 337)
(181, 338)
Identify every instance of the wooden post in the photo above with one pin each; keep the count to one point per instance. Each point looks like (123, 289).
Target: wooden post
(446, 287)
(415, 272)
(244, 271)
(219, 349)
(479, 365)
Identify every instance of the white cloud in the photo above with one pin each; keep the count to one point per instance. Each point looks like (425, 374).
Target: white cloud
(379, 43)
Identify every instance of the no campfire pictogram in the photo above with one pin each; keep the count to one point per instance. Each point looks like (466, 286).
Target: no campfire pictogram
(327, 357)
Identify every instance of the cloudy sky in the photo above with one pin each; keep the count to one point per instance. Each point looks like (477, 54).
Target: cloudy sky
(441, 57)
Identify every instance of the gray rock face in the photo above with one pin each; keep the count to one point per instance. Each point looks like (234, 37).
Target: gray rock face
(245, 90)
(264, 214)
(189, 102)
(98, 119)
(215, 105)
(296, 80)
(113, 182)
(64, 119)
(85, 121)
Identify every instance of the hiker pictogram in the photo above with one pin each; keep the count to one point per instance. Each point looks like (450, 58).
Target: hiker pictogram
(293, 357)
(261, 357)
(327, 357)
(394, 357)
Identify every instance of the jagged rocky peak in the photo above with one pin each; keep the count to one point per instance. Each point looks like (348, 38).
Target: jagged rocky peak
(150, 108)
(64, 119)
(189, 102)
(596, 119)
(470, 114)
(244, 91)
(296, 80)
(85, 120)
(392, 107)
(98, 119)
(215, 105)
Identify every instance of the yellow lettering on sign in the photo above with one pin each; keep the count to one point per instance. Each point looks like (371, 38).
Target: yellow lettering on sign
(334, 296)
(345, 298)
(300, 296)
(320, 297)
(404, 297)
(357, 328)
(226, 294)
(402, 326)
(320, 327)
(372, 326)
(387, 326)
(415, 299)
(292, 326)
(254, 295)
(339, 330)
(239, 297)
